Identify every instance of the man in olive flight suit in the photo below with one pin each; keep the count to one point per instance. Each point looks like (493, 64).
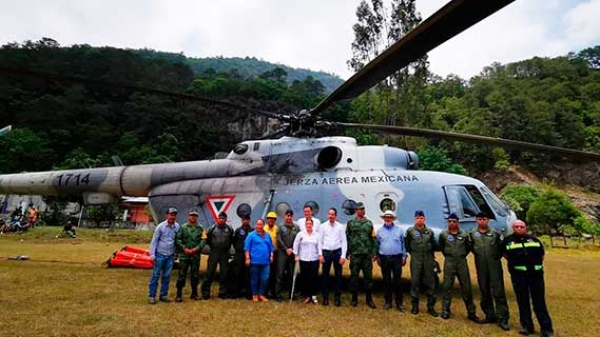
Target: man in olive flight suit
(189, 240)
(241, 273)
(455, 245)
(487, 248)
(219, 238)
(420, 244)
(362, 250)
(285, 256)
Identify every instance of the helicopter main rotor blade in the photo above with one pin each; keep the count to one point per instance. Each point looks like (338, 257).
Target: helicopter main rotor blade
(449, 21)
(452, 136)
(83, 80)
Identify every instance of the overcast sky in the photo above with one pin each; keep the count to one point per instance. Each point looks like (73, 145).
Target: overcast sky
(314, 34)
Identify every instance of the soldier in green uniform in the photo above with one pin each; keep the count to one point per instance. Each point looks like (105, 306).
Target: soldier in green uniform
(487, 248)
(189, 241)
(420, 244)
(241, 273)
(362, 251)
(455, 245)
(219, 238)
(285, 254)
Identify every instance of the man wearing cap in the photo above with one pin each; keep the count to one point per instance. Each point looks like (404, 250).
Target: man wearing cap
(190, 240)
(334, 248)
(219, 238)
(455, 245)
(362, 250)
(487, 248)
(525, 256)
(241, 272)
(162, 249)
(271, 228)
(420, 244)
(308, 214)
(391, 258)
(285, 253)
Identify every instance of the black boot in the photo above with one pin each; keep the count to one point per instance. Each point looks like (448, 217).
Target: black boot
(415, 306)
(369, 300)
(178, 296)
(354, 301)
(431, 311)
(431, 305)
(194, 295)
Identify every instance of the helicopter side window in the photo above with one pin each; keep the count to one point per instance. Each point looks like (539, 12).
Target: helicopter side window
(461, 202)
(348, 206)
(314, 206)
(243, 209)
(256, 146)
(480, 201)
(387, 204)
(281, 208)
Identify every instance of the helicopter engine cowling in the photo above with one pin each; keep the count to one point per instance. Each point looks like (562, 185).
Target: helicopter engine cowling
(382, 157)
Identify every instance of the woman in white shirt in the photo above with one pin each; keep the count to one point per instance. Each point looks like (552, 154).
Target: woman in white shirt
(306, 248)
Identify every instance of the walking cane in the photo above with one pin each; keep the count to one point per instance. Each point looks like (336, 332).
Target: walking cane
(296, 271)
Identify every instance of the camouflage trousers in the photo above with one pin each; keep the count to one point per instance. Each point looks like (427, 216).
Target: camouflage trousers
(362, 262)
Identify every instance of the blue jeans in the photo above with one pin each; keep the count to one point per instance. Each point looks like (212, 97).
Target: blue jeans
(164, 264)
(259, 277)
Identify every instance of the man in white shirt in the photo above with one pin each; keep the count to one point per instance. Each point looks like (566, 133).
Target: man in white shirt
(308, 214)
(333, 251)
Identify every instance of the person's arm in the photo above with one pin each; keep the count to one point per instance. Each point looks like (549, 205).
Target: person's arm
(407, 241)
(179, 241)
(202, 242)
(374, 244)
(154, 242)
(247, 248)
(441, 242)
(344, 244)
(280, 243)
(296, 245)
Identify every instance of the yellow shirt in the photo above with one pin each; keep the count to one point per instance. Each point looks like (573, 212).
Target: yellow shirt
(273, 233)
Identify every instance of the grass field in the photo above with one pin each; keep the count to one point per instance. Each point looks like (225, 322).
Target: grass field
(63, 291)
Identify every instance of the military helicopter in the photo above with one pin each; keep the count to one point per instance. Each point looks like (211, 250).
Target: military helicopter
(298, 169)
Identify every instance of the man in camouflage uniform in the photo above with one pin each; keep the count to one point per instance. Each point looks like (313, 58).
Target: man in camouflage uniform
(241, 273)
(455, 245)
(189, 240)
(487, 248)
(420, 244)
(362, 250)
(285, 253)
(219, 238)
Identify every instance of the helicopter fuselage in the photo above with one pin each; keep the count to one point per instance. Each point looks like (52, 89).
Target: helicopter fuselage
(288, 173)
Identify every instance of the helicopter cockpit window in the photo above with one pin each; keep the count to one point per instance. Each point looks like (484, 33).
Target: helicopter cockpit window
(243, 209)
(387, 204)
(461, 202)
(256, 146)
(348, 207)
(314, 206)
(281, 208)
(495, 203)
(240, 148)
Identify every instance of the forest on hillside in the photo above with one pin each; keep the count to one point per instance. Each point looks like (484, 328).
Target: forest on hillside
(555, 101)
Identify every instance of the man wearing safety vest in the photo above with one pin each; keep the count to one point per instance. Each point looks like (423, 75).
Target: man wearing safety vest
(525, 256)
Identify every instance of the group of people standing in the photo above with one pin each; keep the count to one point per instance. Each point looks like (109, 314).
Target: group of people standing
(266, 257)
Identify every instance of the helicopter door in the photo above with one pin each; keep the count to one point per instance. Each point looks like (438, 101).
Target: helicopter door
(461, 203)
